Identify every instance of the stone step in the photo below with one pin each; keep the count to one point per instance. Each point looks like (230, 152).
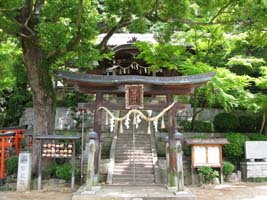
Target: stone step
(137, 163)
(136, 150)
(144, 153)
(138, 166)
(131, 142)
(140, 173)
(131, 180)
(136, 155)
(130, 172)
(133, 157)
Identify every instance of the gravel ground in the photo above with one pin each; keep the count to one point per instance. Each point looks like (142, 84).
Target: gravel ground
(241, 191)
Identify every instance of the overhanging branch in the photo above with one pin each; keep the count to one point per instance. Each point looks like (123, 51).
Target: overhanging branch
(221, 11)
(123, 22)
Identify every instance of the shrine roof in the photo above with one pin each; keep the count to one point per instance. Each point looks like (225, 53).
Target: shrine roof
(207, 141)
(57, 137)
(126, 38)
(133, 79)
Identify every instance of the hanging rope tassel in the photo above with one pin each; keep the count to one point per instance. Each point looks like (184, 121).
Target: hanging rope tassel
(149, 112)
(155, 123)
(121, 128)
(162, 126)
(106, 119)
(134, 119)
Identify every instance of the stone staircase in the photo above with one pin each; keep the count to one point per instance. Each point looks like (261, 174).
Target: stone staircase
(134, 163)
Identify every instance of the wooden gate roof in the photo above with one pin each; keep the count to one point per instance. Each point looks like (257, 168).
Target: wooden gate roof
(90, 83)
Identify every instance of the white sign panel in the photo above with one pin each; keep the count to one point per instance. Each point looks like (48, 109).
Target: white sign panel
(199, 155)
(24, 172)
(214, 156)
(256, 149)
(206, 156)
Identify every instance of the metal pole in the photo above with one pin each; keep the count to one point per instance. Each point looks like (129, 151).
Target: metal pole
(40, 165)
(134, 124)
(2, 159)
(73, 165)
(82, 146)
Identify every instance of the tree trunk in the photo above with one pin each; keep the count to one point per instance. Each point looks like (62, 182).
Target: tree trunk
(263, 122)
(42, 91)
(195, 111)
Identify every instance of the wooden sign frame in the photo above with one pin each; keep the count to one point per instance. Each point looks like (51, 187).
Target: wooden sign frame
(207, 158)
(134, 96)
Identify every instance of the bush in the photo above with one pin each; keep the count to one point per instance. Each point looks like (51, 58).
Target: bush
(248, 124)
(235, 150)
(64, 171)
(11, 165)
(199, 126)
(226, 122)
(228, 168)
(257, 137)
(207, 174)
(49, 171)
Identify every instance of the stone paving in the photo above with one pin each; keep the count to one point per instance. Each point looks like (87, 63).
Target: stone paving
(240, 191)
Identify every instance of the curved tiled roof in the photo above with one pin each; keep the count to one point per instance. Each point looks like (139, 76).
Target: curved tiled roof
(133, 79)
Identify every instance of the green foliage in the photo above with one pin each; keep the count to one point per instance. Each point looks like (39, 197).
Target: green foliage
(49, 171)
(235, 150)
(257, 179)
(207, 174)
(199, 126)
(242, 65)
(71, 99)
(228, 168)
(227, 89)
(63, 171)
(161, 55)
(226, 122)
(11, 165)
(105, 149)
(257, 137)
(248, 124)
(203, 137)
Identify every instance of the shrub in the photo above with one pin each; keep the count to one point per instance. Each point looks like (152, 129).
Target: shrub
(199, 126)
(257, 137)
(207, 174)
(64, 171)
(11, 165)
(49, 171)
(228, 168)
(248, 124)
(225, 122)
(234, 151)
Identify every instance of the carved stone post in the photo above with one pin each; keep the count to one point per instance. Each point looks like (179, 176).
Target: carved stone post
(179, 158)
(90, 165)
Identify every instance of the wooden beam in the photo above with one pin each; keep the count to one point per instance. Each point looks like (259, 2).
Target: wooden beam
(97, 128)
(115, 106)
(148, 90)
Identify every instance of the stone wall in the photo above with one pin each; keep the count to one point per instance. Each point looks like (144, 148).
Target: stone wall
(254, 169)
(66, 119)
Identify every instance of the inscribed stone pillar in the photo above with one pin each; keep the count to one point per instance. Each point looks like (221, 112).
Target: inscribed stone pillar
(90, 165)
(24, 172)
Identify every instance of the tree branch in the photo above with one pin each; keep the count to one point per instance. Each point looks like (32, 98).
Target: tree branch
(76, 40)
(221, 11)
(38, 6)
(123, 22)
(11, 9)
(79, 18)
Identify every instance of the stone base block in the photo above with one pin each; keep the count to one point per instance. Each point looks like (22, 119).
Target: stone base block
(254, 169)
